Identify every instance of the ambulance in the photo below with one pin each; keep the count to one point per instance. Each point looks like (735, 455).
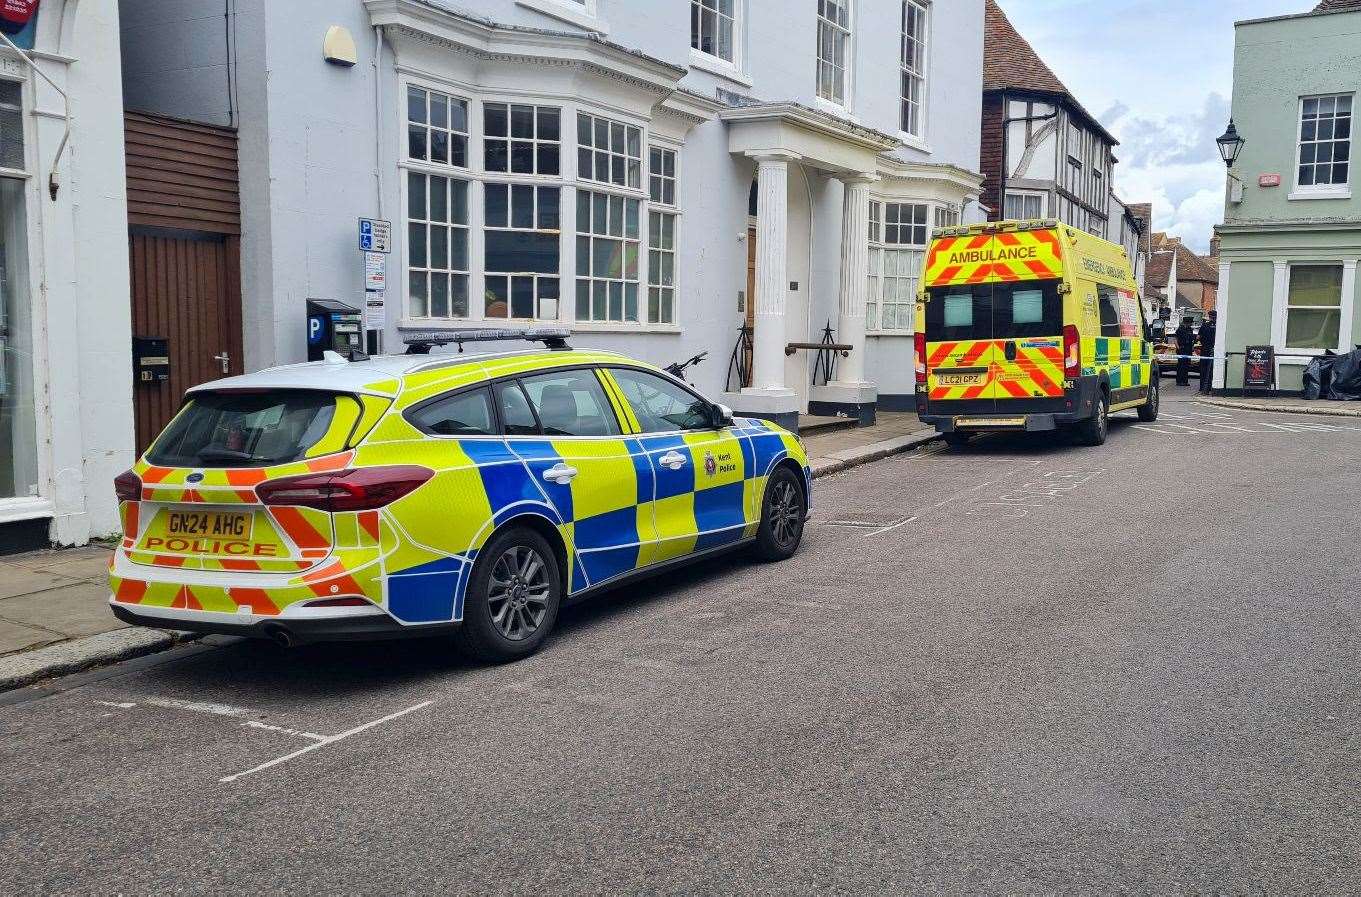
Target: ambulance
(1030, 326)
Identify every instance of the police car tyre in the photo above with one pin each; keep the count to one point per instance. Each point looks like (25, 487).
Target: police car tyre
(782, 516)
(1148, 412)
(1093, 430)
(513, 598)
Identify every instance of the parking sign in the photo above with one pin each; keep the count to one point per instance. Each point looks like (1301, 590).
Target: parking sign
(375, 235)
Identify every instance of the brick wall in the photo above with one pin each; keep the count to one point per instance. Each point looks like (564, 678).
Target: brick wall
(990, 156)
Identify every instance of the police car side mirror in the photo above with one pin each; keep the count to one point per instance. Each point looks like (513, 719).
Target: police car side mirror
(720, 416)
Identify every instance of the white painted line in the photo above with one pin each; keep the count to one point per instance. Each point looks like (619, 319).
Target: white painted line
(283, 730)
(329, 739)
(121, 705)
(201, 707)
(880, 532)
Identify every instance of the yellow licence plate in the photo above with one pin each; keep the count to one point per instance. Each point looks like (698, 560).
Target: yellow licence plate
(234, 525)
(982, 422)
(959, 379)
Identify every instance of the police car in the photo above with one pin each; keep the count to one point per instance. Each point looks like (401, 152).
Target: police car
(468, 492)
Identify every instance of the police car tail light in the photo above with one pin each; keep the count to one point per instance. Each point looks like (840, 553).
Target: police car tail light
(1072, 353)
(919, 349)
(357, 489)
(127, 486)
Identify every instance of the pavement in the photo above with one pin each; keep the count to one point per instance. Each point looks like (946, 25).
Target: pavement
(1289, 405)
(1001, 669)
(54, 614)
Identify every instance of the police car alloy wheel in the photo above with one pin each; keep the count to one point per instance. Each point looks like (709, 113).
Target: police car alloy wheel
(782, 516)
(513, 598)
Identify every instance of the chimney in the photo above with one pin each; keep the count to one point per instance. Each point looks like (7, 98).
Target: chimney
(1214, 246)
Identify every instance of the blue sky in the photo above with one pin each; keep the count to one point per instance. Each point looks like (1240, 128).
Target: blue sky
(1158, 75)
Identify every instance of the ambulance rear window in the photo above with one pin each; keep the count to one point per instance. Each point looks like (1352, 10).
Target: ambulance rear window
(234, 429)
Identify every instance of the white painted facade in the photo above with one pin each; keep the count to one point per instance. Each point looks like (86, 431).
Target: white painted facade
(66, 390)
(321, 145)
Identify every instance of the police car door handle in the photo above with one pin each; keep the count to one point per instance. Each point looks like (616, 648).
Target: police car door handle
(672, 460)
(560, 473)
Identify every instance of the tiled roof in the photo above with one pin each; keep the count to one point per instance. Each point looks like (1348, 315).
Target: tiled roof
(1159, 268)
(1337, 5)
(1009, 60)
(1190, 266)
(1011, 63)
(1143, 213)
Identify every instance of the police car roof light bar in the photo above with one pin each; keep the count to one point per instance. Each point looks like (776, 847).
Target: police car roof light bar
(422, 343)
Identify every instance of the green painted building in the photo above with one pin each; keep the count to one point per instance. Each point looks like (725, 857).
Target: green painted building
(1292, 233)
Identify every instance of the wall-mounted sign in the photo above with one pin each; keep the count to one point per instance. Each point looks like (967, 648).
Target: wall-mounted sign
(375, 234)
(19, 19)
(1269, 180)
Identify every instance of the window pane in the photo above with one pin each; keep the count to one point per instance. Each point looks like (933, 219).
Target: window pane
(571, 403)
(660, 405)
(1308, 328)
(498, 297)
(458, 191)
(549, 123)
(458, 249)
(522, 297)
(516, 416)
(468, 414)
(415, 195)
(417, 289)
(549, 218)
(522, 207)
(415, 144)
(522, 121)
(522, 251)
(1316, 285)
(415, 104)
(494, 117)
(497, 155)
(496, 204)
(439, 199)
(439, 295)
(416, 245)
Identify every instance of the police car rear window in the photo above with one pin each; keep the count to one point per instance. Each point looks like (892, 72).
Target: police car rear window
(245, 429)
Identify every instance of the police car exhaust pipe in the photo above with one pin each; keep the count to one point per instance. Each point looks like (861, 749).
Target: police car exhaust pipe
(280, 635)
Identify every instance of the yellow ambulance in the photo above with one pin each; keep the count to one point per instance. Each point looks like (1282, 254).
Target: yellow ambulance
(1030, 325)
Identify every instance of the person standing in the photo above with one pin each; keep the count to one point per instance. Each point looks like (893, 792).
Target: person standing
(1207, 348)
(1186, 344)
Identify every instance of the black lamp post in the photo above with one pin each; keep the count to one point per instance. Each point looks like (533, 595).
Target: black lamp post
(1230, 145)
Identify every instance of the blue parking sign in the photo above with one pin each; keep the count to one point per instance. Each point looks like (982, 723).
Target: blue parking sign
(375, 235)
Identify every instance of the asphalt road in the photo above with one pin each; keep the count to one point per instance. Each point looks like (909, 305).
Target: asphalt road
(1025, 667)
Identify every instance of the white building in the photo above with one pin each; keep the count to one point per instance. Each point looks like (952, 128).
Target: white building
(655, 176)
(65, 372)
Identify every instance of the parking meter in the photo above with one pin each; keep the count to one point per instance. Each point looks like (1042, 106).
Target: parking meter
(335, 327)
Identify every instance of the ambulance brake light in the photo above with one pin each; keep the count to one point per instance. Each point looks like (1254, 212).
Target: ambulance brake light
(919, 351)
(1072, 353)
(356, 489)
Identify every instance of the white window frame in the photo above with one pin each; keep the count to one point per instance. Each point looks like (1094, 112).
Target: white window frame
(458, 175)
(1281, 308)
(848, 70)
(1042, 196)
(510, 141)
(1324, 191)
(582, 13)
(668, 211)
(609, 153)
(592, 278)
(712, 62)
(879, 248)
(924, 6)
(567, 181)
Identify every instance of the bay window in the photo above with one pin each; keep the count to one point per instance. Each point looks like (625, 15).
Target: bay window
(437, 246)
(522, 139)
(661, 236)
(522, 233)
(898, 234)
(437, 127)
(608, 151)
(607, 257)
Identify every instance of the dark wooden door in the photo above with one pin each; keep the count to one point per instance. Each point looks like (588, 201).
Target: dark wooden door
(185, 290)
(184, 242)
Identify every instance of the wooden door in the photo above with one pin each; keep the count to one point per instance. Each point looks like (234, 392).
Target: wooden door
(184, 243)
(186, 290)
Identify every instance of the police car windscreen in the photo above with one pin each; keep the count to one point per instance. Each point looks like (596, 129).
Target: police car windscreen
(245, 429)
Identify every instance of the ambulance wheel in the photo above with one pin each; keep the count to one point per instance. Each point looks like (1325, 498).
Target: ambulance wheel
(956, 439)
(1148, 412)
(513, 598)
(782, 515)
(1093, 430)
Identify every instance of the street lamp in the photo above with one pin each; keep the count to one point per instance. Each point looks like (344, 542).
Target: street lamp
(1230, 145)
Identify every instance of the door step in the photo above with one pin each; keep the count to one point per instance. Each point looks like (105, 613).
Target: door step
(811, 424)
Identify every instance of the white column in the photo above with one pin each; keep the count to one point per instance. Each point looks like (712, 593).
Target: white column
(1221, 367)
(855, 262)
(1346, 341)
(772, 271)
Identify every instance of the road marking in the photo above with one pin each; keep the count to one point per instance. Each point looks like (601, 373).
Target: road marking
(283, 730)
(892, 526)
(121, 705)
(326, 740)
(201, 707)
